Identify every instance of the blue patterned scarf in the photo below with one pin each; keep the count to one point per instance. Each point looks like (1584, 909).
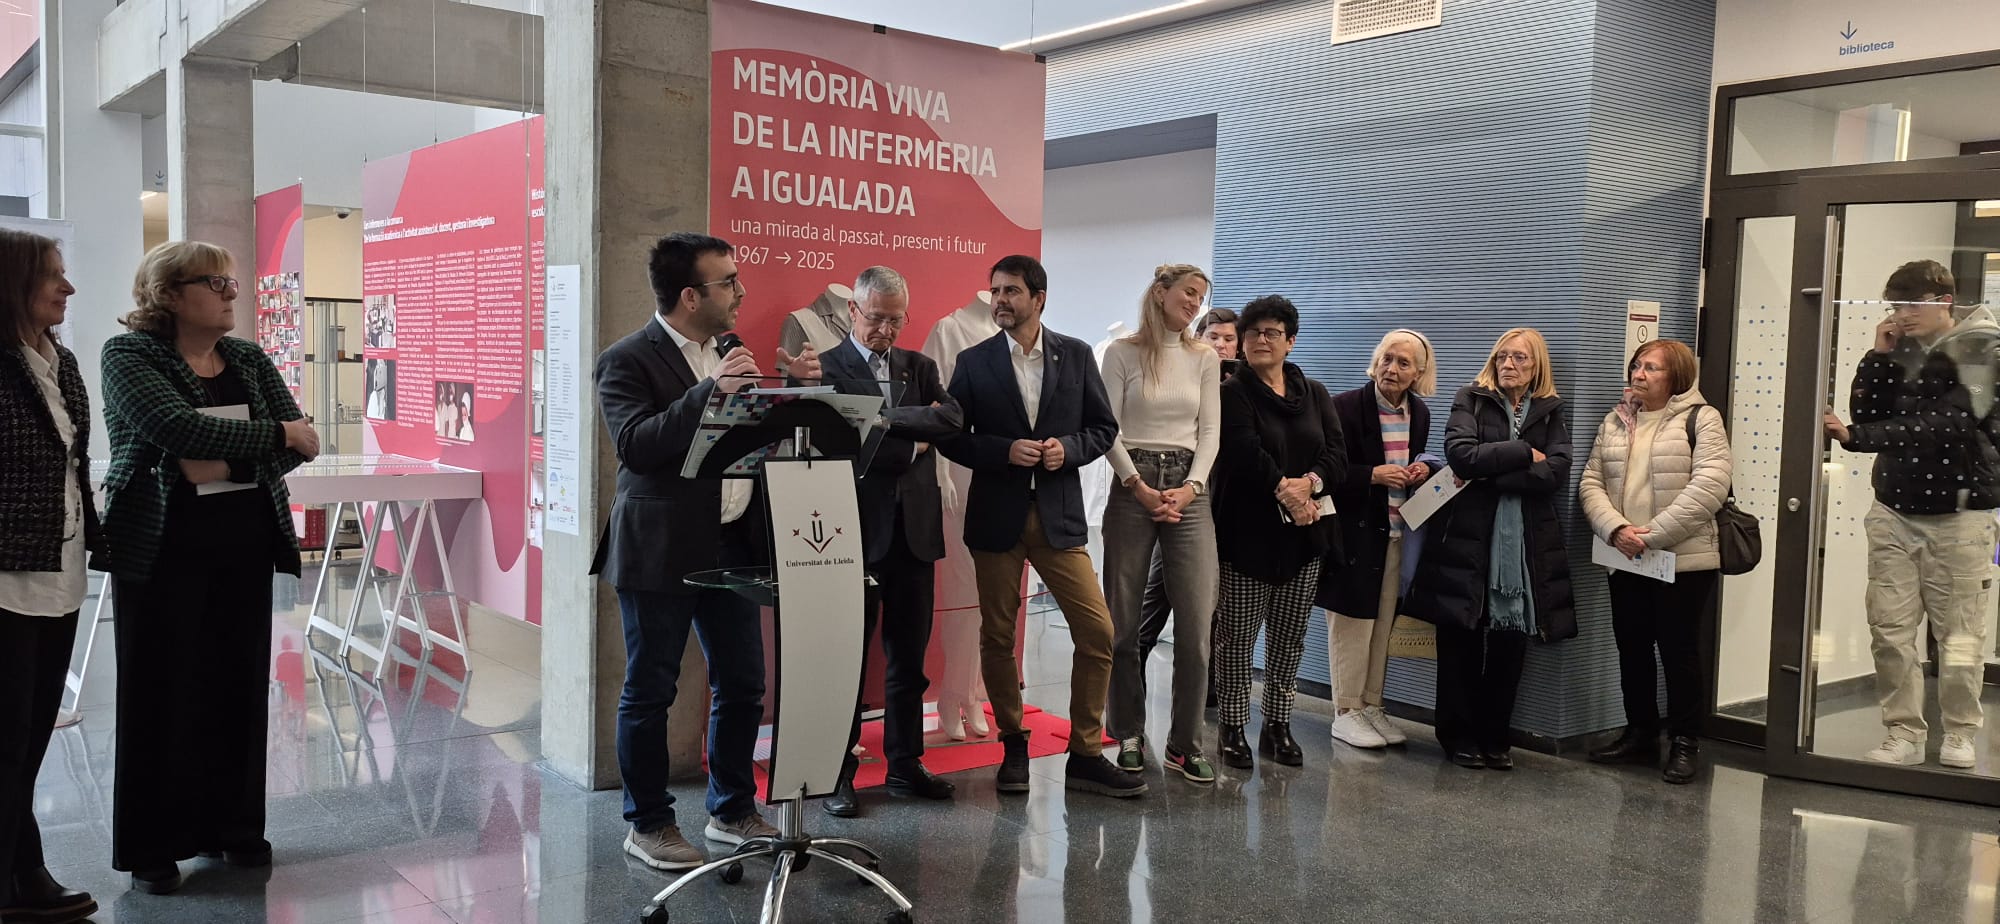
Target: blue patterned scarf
(1510, 603)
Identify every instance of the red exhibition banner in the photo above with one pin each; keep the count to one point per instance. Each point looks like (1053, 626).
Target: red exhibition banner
(452, 234)
(280, 280)
(834, 147)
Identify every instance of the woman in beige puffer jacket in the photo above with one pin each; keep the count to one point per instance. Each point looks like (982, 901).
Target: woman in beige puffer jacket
(1645, 488)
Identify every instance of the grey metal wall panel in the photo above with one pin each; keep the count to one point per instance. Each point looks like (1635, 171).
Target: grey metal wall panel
(1528, 163)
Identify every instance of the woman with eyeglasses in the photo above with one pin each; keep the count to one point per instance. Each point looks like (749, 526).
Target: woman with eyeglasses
(1494, 572)
(203, 431)
(1165, 390)
(49, 524)
(1282, 454)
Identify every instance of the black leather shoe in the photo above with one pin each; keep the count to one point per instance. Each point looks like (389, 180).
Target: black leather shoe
(159, 880)
(1013, 775)
(40, 899)
(1470, 760)
(914, 779)
(1234, 748)
(1683, 759)
(1498, 760)
(1276, 743)
(842, 804)
(254, 854)
(1634, 746)
(1092, 773)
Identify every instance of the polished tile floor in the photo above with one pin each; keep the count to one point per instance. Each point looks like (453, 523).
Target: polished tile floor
(421, 800)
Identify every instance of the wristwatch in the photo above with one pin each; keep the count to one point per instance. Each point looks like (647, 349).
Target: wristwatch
(1198, 487)
(1318, 485)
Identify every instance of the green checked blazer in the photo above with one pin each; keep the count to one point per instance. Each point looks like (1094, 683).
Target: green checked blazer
(151, 413)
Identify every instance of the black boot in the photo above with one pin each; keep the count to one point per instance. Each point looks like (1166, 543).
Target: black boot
(1234, 748)
(1276, 743)
(914, 779)
(1013, 776)
(1683, 758)
(39, 898)
(843, 803)
(1635, 745)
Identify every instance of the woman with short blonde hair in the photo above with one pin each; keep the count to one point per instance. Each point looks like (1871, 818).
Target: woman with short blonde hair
(1495, 572)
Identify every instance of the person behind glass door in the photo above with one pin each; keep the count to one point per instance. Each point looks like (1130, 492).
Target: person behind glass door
(1387, 426)
(1646, 487)
(51, 521)
(203, 431)
(1494, 570)
(902, 523)
(1281, 454)
(1923, 404)
(1035, 414)
(651, 387)
(1165, 390)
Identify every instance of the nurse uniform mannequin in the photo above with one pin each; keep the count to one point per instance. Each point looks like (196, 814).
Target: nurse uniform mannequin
(961, 691)
(824, 323)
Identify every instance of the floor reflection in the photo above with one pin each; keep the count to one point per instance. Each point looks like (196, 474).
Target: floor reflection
(418, 798)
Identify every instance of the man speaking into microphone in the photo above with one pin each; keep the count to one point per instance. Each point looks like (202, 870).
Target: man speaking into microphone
(651, 388)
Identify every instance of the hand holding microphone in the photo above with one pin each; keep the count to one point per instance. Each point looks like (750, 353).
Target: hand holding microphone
(739, 365)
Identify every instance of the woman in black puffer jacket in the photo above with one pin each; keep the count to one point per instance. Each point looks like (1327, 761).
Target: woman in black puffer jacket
(1494, 570)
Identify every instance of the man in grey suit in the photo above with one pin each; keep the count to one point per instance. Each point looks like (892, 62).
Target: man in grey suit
(902, 521)
(651, 388)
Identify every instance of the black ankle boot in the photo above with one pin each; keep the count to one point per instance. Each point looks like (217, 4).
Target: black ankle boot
(1683, 758)
(1234, 748)
(1634, 746)
(1013, 775)
(39, 897)
(1276, 743)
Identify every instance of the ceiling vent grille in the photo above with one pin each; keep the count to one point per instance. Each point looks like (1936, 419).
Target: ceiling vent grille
(1354, 20)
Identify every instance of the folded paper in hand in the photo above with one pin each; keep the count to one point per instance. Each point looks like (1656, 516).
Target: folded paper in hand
(1656, 563)
(226, 412)
(1430, 497)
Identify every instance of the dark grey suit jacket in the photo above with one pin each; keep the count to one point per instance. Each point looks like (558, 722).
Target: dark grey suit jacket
(662, 527)
(897, 479)
(1074, 409)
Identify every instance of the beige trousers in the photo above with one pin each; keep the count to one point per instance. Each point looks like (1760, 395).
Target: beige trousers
(1936, 566)
(1360, 647)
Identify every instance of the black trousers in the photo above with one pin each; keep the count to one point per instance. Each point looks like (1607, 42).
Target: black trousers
(1648, 615)
(194, 669)
(900, 605)
(1478, 675)
(34, 658)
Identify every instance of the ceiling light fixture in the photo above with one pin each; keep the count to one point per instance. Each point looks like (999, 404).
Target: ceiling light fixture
(1100, 24)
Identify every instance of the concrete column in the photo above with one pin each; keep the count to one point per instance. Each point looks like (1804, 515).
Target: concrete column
(626, 93)
(95, 179)
(211, 196)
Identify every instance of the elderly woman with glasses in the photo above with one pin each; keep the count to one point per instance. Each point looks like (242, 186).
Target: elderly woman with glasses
(1494, 572)
(197, 518)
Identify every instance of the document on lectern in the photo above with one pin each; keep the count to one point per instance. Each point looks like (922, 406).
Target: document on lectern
(726, 412)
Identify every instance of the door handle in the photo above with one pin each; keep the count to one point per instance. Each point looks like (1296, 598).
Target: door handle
(1812, 292)
(1792, 504)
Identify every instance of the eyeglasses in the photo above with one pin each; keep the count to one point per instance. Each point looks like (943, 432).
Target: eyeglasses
(1518, 359)
(1914, 307)
(216, 282)
(895, 322)
(1270, 334)
(731, 281)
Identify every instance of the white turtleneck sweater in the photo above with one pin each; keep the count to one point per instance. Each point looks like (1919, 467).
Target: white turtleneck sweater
(1182, 411)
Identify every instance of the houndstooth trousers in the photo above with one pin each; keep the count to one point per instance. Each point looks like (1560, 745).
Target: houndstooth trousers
(1281, 611)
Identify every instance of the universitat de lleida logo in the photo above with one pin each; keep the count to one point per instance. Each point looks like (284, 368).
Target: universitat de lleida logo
(817, 537)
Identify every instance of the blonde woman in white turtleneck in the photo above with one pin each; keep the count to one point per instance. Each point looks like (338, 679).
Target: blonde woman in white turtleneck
(1165, 388)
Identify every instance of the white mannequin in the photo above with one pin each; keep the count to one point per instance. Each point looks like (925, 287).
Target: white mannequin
(824, 323)
(1097, 475)
(961, 691)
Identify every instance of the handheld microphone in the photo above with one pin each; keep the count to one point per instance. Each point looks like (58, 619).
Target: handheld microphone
(727, 341)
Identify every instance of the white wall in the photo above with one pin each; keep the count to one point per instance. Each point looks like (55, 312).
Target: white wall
(333, 257)
(1759, 39)
(22, 170)
(1106, 226)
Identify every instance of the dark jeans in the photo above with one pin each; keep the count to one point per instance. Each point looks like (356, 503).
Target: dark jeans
(34, 657)
(1646, 614)
(1478, 675)
(731, 634)
(901, 604)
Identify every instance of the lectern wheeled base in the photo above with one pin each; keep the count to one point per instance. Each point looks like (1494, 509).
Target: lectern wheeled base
(790, 851)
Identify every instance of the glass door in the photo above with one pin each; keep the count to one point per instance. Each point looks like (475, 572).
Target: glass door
(1885, 524)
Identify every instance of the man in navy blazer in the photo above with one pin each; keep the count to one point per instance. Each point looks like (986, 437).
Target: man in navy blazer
(651, 387)
(902, 522)
(1035, 414)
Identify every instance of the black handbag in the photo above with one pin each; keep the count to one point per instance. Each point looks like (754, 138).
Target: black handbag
(1739, 539)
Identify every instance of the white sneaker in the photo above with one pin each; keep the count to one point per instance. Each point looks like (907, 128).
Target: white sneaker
(1354, 728)
(1894, 750)
(1957, 752)
(1383, 726)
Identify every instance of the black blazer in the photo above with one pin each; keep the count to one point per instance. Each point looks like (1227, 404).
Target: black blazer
(662, 527)
(1266, 438)
(1354, 588)
(1074, 409)
(898, 480)
(1450, 586)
